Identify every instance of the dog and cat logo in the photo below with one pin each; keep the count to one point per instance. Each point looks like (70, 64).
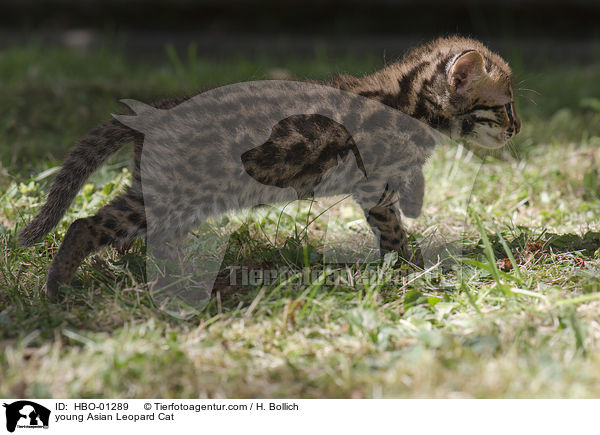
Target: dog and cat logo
(25, 414)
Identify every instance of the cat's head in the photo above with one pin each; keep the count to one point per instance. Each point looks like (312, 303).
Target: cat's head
(480, 98)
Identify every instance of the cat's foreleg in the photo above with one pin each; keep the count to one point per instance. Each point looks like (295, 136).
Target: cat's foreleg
(384, 219)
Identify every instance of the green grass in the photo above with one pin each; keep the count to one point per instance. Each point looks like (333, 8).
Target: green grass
(472, 330)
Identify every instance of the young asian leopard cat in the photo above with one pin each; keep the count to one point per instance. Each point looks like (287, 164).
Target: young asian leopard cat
(455, 85)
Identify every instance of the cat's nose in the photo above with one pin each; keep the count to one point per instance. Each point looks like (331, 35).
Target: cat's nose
(517, 126)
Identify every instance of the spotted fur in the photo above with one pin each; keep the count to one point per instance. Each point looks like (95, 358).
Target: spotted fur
(455, 85)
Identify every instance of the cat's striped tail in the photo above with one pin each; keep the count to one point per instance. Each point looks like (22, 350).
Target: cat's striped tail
(87, 156)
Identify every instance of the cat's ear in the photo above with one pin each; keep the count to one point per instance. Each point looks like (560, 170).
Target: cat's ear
(465, 70)
(142, 117)
(138, 107)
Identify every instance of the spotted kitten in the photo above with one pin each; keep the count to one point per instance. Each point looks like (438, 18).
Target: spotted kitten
(455, 85)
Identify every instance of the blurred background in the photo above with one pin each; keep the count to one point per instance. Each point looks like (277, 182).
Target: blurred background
(222, 28)
(530, 332)
(64, 64)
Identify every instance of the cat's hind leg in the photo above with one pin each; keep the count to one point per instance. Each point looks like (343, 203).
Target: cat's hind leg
(117, 223)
